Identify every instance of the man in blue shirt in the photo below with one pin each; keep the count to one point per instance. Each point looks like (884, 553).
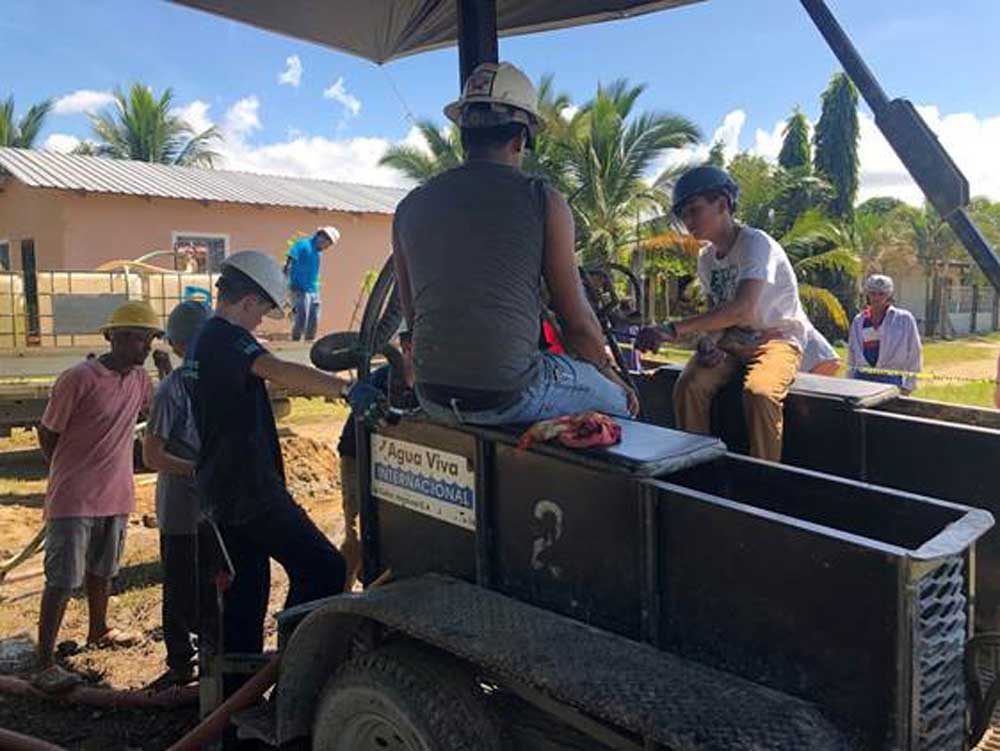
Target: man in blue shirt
(302, 270)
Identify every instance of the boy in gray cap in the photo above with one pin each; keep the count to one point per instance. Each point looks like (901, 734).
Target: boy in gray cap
(171, 447)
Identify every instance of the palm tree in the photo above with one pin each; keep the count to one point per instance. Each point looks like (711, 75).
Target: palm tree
(836, 140)
(824, 255)
(444, 151)
(22, 133)
(934, 245)
(608, 162)
(140, 126)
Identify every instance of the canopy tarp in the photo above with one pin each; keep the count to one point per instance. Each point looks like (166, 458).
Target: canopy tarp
(383, 30)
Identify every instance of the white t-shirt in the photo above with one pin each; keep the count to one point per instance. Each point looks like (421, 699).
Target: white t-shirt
(818, 350)
(757, 255)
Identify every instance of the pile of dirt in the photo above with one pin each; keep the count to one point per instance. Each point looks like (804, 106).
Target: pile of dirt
(312, 469)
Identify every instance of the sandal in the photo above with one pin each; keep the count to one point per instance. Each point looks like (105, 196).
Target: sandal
(55, 679)
(114, 638)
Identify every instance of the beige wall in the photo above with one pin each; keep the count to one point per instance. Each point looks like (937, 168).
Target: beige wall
(80, 232)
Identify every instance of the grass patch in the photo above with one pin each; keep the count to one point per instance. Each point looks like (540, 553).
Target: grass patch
(969, 394)
(949, 353)
(307, 411)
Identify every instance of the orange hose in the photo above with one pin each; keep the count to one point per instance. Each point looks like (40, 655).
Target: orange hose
(105, 697)
(213, 726)
(11, 741)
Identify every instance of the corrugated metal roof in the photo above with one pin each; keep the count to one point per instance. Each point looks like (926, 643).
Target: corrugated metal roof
(47, 169)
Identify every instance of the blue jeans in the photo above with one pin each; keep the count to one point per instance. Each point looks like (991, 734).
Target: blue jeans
(305, 306)
(562, 386)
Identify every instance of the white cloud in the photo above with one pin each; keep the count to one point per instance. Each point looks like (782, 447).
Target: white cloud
(728, 134)
(973, 142)
(82, 100)
(61, 142)
(242, 119)
(338, 93)
(292, 75)
(299, 154)
(195, 114)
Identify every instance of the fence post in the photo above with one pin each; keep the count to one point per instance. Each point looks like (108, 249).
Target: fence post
(33, 336)
(975, 309)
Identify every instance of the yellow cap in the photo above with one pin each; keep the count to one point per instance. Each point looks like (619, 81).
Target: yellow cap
(135, 314)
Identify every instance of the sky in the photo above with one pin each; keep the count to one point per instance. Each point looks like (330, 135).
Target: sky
(734, 67)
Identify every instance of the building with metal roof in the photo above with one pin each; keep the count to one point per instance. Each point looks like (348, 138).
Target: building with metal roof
(61, 212)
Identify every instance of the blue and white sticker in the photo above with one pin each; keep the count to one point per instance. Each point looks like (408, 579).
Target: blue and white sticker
(424, 479)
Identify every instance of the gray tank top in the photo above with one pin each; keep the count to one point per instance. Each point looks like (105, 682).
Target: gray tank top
(473, 239)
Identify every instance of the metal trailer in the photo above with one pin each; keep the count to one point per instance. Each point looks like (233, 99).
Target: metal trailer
(868, 432)
(662, 594)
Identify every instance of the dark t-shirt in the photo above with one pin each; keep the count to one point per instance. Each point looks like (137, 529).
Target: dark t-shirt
(240, 473)
(473, 239)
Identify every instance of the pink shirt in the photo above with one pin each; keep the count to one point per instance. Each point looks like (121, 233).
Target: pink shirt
(94, 411)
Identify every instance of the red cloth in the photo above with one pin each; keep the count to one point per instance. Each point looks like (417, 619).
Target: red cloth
(552, 343)
(580, 431)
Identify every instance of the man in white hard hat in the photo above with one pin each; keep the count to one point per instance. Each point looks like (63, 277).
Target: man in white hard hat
(302, 269)
(471, 249)
(239, 472)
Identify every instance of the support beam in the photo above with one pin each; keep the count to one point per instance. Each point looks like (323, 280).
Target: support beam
(913, 141)
(477, 35)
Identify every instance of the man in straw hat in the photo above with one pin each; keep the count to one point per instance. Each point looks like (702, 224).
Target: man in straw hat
(86, 436)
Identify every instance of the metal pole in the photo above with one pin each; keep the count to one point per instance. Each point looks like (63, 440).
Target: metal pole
(913, 141)
(477, 35)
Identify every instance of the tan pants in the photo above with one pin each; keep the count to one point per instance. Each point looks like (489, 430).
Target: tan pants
(351, 549)
(767, 376)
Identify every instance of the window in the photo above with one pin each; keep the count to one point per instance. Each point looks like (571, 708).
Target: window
(4, 255)
(205, 252)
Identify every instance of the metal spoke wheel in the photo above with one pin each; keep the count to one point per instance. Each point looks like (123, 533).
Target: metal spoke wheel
(404, 697)
(382, 316)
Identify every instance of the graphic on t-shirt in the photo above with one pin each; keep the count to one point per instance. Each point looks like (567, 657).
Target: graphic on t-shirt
(722, 284)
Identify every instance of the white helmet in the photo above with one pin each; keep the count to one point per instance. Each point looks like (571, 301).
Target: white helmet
(508, 91)
(880, 283)
(332, 232)
(265, 272)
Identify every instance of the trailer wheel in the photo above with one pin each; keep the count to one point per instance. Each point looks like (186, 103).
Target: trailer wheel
(403, 697)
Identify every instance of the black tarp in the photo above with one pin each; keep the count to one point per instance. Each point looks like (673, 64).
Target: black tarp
(383, 30)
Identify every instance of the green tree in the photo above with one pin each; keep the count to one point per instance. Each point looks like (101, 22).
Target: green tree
(717, 155)
(22, 133)
(607, 164)
(443, 151)
(796, 152)
(139, 125)
(836, 143)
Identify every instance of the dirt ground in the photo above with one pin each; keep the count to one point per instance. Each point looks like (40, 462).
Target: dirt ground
(308, 445)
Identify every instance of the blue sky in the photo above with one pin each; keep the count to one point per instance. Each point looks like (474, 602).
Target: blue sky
(736, 67)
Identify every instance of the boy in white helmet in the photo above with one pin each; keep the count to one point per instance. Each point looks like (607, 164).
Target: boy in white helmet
(240, 472)
(471, 249)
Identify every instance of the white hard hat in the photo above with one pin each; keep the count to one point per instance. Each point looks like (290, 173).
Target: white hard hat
(265, 272)
(332, 232)
(506, 88)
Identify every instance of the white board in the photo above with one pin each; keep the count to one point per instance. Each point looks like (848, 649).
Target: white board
(424, 479)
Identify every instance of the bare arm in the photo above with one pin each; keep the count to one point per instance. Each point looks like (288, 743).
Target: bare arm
(581, 332)
(155, 456)
(737, 312)
(299, 377)
(47, 441)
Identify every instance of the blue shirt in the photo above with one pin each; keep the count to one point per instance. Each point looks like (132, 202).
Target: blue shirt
(303, 275)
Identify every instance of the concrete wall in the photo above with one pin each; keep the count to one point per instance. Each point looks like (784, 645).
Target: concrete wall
(79, 232)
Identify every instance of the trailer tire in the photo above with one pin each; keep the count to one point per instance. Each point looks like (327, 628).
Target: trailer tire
(403, 697)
